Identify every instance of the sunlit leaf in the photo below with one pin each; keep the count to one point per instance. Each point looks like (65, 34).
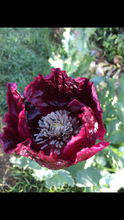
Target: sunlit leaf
(100, 159)
(43, 173)
(121, 149)
(21, 162)
(60, 179)
(117, 181)
(84, 65)
(88, 177)
(75, 168)
(34, 165)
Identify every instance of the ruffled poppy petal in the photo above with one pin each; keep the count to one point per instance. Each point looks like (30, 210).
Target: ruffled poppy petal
(86, 153)
(24, 149)
(23, 130)
(98, 114)
(14, 99)
(10, 137)
(52, 162)
(74, 145)
(8, 144)
(88, 134)
(48, 94)
(45, 93)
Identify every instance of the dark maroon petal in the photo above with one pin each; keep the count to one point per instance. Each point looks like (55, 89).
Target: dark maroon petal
(45, 93)
(55, 91)
(23, 130)
(32, 115)
(30, 121)
(10, 137)
(14, 100)
(76, 106)
(11, 128)
(8, 144)
(26, 129)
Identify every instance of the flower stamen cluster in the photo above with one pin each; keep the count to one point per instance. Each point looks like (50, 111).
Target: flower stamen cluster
(57, 127)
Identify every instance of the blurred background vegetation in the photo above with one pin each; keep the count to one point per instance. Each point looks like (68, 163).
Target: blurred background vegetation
(95, 53)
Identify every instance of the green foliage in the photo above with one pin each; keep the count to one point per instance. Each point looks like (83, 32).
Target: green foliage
(74, 58)
(23, 182)
(97, 79)
(59, 179)
(88, 177)
(78, 167)
(23, 54)
(56, 178)
(110, 40)
(116, 182)
(19, 162)
(113, 113)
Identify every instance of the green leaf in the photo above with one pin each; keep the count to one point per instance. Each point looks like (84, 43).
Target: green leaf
(84, 65)
(96, 80)
(112, 37)
(111, 86)
(60, 179)
(106, 177)
(43, 173)
(115, 154)
(88, 177)
(67, 38)
(116, 138)
(81, 38)
(111, 125)
(99, 38)
(120, 110)
(120, 94)
(122, 82)
(89, 32)
(100, 159)
(117, 181)
(121, 149)
(21, 162)
(34, 165)
(75, 168)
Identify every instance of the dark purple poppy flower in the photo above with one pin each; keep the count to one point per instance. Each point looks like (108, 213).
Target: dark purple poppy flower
(55, 122)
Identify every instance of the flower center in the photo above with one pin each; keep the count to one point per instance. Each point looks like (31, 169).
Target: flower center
(57, 128)
(56, 124)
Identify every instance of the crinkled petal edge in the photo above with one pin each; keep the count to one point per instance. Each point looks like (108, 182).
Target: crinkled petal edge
(86, 153)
